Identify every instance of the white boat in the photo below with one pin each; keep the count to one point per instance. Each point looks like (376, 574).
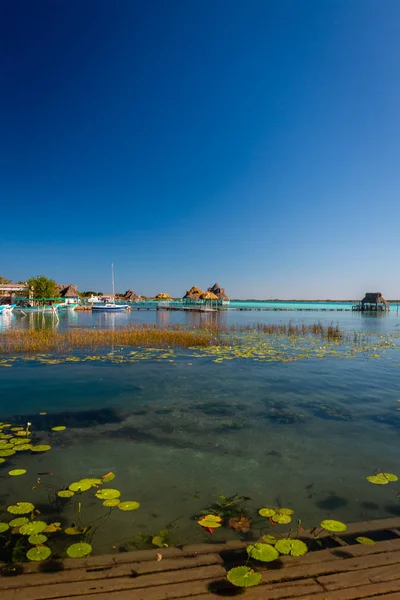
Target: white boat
(110, 306)
(6, 308)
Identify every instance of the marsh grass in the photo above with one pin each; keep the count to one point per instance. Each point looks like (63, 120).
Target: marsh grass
(151, 336)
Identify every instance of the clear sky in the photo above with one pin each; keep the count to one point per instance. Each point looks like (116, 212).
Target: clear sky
(251, 142)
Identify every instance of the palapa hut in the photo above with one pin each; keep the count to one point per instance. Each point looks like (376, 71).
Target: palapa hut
(218, 291)
(374, 301)
(193, 295)
(129, 295)
(163, 296)
(68, 291)
(209, 298)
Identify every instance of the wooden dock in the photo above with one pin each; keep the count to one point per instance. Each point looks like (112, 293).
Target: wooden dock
(345, 570)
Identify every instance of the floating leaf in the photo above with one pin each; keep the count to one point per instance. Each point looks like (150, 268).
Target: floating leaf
(20, 441)
(79, 550)
(108, 477)
(366, 541)
(53, 527)
(33, 527)
(25, 432)
(129, 505)
(65, 494)
(21, 508)
(95, 481)
(39, 553)
(59, 428)
(18, 522)
(41, 448)
(80, 486)
(270, 539)
(7, 452)
(382, 478)
(23, 447)
(17, 428)
(76, 530)
(335, 526)
(4, 527)
(2, 460)
(244, 577)
(17, 472)
(37, 540)
(281, 518)
(111, 503)
(266, 512)
(210, 521)
(285, 511)
(293, 547)
(263, 552)
(107, 494)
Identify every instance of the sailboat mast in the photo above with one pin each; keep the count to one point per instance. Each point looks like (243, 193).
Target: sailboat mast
(112, 277)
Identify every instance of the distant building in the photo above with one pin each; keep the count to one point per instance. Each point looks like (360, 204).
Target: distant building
(373, 301)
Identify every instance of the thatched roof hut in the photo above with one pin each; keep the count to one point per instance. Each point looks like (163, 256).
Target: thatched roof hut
(68, 291)
(218, 291)
(163, 296)
(208, 296)
(374, 298)
(193, 294)
(129, 295)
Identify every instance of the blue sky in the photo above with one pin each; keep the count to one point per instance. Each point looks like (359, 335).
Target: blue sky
(255, 143)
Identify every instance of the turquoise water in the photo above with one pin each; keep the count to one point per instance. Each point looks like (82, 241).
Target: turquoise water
(303, 434)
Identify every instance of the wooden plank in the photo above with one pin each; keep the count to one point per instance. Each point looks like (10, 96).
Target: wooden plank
(117, 584)
(357, 593)
(170, 592)
(123, 570)
(325, 568)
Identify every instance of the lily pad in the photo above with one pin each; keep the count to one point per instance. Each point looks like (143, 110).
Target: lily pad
(79, 550)
(20, 441)
(334, 526)
(2, 460)
(382, 478)
(33, 527)
(41, 448)
(292, 547)
(38, 553)
(108, 494)
(266, 512)
(111, 503)
(4, 527)
(18, 522)
(263, 552)
(270, 539)
(210, 521)
(281, 518)
(17, 472)
(23, 447)
(7, 452)
(59, 428)
(38, 539)
(366, 541)
(244, 577)
(129, 505)
(21, 508)
(108, 477)
(80, 486)
(65, 494)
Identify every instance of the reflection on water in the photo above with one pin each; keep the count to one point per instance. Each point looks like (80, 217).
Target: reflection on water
(177, 434)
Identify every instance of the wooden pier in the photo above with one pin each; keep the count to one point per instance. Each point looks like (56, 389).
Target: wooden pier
(345, 570)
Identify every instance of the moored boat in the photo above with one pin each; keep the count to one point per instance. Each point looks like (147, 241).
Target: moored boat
(111, 306)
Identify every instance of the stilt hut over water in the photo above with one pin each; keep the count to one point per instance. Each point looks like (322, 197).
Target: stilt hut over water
(373, 301)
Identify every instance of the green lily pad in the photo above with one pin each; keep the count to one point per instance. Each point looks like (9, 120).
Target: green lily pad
(21, 508)
(2, 460)
(266, 512)
(263, 552)
(281, 518)
(20, 441)
(17, 472)
(59, 428)
(334, 526)
(244, 577)
(112, 503)
(18, 522)
(7, 452)
(41, 448)
(80, 486)
(109, 477)
(79, 550)
(94, 480)
(38, 539)
(33, 527)
(210, 521)
(366, 541)
(129, 505)
(270, 539)
(65, 494)
(4, 527)
(107, 494)
(38, 553)
(382, 478)
(23, 447)
(292, 547)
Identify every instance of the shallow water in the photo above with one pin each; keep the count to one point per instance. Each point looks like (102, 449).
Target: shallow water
(303, 434)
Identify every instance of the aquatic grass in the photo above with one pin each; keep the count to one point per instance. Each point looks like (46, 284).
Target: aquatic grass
(149, 336)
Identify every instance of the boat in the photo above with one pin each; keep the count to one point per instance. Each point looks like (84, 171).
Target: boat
(27, 307)
(6, 307)
(111, 306)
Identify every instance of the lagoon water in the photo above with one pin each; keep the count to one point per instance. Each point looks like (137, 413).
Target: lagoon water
(180, 430)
